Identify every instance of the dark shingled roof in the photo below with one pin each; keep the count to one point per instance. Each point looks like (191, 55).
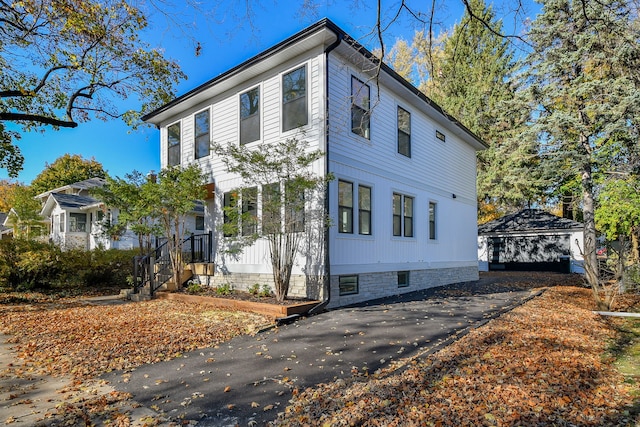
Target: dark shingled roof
(72, 201)
(528, 220)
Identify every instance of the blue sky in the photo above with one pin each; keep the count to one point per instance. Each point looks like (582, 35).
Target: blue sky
(227, 39)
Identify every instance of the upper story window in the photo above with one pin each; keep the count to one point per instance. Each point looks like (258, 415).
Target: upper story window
(250, 116)
(294, 99)
(404, 132)
(173, 143)
(402, 215)
(202, 139)
(360, 108)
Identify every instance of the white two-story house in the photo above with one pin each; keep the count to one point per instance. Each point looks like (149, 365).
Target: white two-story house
(403, 201)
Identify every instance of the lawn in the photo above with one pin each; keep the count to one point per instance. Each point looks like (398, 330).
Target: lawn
(84, 341)
(551, 361)
(548, 362)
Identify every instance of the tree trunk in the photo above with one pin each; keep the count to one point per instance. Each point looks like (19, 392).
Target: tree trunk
(588, 209)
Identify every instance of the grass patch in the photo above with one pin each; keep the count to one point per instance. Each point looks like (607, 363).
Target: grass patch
(626, 354)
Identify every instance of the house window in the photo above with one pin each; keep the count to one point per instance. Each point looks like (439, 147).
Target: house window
(294, 212)
(249, 211)
(61, 223)
(348, 285)
(173, 140)
(432, 221)
(202, 139)
(250, 116)
(441, 136)
(271, 208)
(230, 225)
(403, 279)
(199, 223)
(345, 207)
(402, 215)
(404, 132)
(77, 222)
(364, 210)
(294, 99)
(360, 108)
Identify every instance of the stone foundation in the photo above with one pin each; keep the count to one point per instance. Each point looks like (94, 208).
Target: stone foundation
(378, 285)
(370, 285)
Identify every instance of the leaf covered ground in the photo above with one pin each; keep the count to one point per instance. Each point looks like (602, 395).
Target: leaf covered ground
(85, 341)
(543, 364)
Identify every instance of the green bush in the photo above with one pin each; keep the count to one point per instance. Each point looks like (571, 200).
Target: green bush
(26, 265)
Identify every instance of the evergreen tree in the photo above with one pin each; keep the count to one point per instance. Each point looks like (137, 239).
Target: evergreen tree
(469, 74)
(585, 100)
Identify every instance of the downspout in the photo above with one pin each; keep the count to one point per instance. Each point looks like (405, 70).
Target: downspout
(326, 295)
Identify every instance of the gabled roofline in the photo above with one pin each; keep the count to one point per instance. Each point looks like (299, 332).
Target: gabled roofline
(341, 35)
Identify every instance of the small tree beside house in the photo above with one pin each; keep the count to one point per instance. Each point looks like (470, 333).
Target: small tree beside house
(171, 197)
(131, 197)
(291, 200)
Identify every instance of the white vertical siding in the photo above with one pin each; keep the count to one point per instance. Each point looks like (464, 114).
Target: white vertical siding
(435, 172)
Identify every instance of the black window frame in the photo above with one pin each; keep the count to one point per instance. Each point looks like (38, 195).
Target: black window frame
(365, 215)
(345, 228)
(402, 221)
(173, 144)
(249, 218)
(199, 223)
(293, 100)
(404, 278)
(355, 283)
(250, 116)
(441, 136)
(404, 132)
(294, 212)
(229, 200)
(433, 220)
(271, 212)
(202, 138)
(360, 113)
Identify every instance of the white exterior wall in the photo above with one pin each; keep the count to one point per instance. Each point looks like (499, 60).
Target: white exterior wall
(224, 124)
(435, 172)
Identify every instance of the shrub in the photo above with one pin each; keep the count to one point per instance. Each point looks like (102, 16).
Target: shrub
(266, 291)
(225, 289)
(254, 289)
(194, 287)
(28, 265)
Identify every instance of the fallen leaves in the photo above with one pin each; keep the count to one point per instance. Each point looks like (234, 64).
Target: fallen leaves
(85, 341)
(540, 364)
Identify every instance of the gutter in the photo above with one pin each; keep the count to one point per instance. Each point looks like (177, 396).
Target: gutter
(327, 264)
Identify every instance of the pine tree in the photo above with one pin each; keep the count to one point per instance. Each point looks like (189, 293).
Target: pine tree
(581, 87)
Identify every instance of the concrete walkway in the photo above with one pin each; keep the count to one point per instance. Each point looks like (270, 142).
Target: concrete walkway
(248, 380)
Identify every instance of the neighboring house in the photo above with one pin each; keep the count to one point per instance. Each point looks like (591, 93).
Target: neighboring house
(531, 239)
(6, 231)
(403, 202)
(75, 218)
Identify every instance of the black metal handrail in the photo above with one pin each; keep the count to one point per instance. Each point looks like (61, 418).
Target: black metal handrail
(195, 248)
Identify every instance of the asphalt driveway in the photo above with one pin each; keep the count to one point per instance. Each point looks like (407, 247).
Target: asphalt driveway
(248, 380)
